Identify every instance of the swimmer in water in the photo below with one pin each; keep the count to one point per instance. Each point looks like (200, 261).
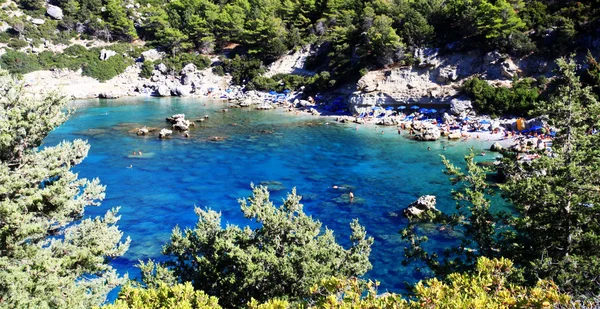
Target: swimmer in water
(139, 153)
(130, 166)
(133, 153)
(428, 148)
(351, 195)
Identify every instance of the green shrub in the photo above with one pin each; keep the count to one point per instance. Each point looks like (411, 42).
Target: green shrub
(5, 37)
(177, 62)
(17, 44)
(105, 70)
(242, 69)
(75, 50)
(218, 70)
(19, 63)
(498, 101)
(147, 68)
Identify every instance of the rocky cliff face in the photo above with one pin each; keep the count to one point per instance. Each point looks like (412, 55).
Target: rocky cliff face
(292, 63)
(436, 79)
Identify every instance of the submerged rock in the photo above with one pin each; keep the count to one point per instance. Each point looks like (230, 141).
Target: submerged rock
(164, 133)
(273, 185)
(143, 131)
(424, 203)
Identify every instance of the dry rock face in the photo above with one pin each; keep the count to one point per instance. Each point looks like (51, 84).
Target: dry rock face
(437, 78)
(291, 63)
(461, 106)
(424, 203)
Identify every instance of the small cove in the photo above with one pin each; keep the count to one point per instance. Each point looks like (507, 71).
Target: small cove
(385, 171)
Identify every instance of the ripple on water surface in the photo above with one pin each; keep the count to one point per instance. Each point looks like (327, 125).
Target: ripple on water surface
(386, 172)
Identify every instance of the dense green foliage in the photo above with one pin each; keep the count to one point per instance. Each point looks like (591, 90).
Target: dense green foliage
(350, 35)
(553, 233)
(498, 101)
(50, 257)
(283, 257)
(488, 287)
(74, 57)
(179, 296)
(177, 62)
(558, 230)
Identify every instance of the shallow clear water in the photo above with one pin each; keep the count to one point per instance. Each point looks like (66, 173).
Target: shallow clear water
(385, 171)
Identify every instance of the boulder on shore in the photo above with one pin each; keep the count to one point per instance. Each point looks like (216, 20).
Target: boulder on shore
(424, 203)
(496, 147)
(427, 132)
(108, 95)
(163, 91)
(182, 91)
(454, 135)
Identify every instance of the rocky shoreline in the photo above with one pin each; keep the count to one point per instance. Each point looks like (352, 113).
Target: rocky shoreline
(434, 81)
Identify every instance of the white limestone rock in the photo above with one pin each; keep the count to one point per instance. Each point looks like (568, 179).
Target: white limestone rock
(54, 12)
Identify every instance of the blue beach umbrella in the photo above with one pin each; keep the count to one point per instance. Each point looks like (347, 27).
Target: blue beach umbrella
(228, 90)
(389, 108)
(414, 107)
(375, 108)
(466, 119)
(432, 111)
(535, 128)
(423, 110)
(402, 107)
(286, 91)
(485, 121)
(272, 92)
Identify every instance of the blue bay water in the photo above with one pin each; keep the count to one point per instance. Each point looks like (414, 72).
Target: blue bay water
(385, 172)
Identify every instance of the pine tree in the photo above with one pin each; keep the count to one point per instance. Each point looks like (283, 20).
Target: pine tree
(558, 196)
(50, 256)
(284, 257)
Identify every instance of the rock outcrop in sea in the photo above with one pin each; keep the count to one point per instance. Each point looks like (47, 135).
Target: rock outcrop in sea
(421, 205)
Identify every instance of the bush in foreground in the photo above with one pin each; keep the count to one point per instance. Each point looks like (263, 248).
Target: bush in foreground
(284, 257)
(487, 287)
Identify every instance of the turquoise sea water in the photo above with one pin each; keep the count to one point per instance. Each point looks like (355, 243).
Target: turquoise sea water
(385, 171)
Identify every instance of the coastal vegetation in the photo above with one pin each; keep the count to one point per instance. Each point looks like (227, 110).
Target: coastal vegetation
(349, 36)
(50, 256)
(552, 231)
(488, 287)
(498, 101)
(541, 252)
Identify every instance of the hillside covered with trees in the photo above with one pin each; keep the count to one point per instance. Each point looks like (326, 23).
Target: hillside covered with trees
(348, 36)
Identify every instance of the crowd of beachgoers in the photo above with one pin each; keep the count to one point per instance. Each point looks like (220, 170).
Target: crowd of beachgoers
(516, 134)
